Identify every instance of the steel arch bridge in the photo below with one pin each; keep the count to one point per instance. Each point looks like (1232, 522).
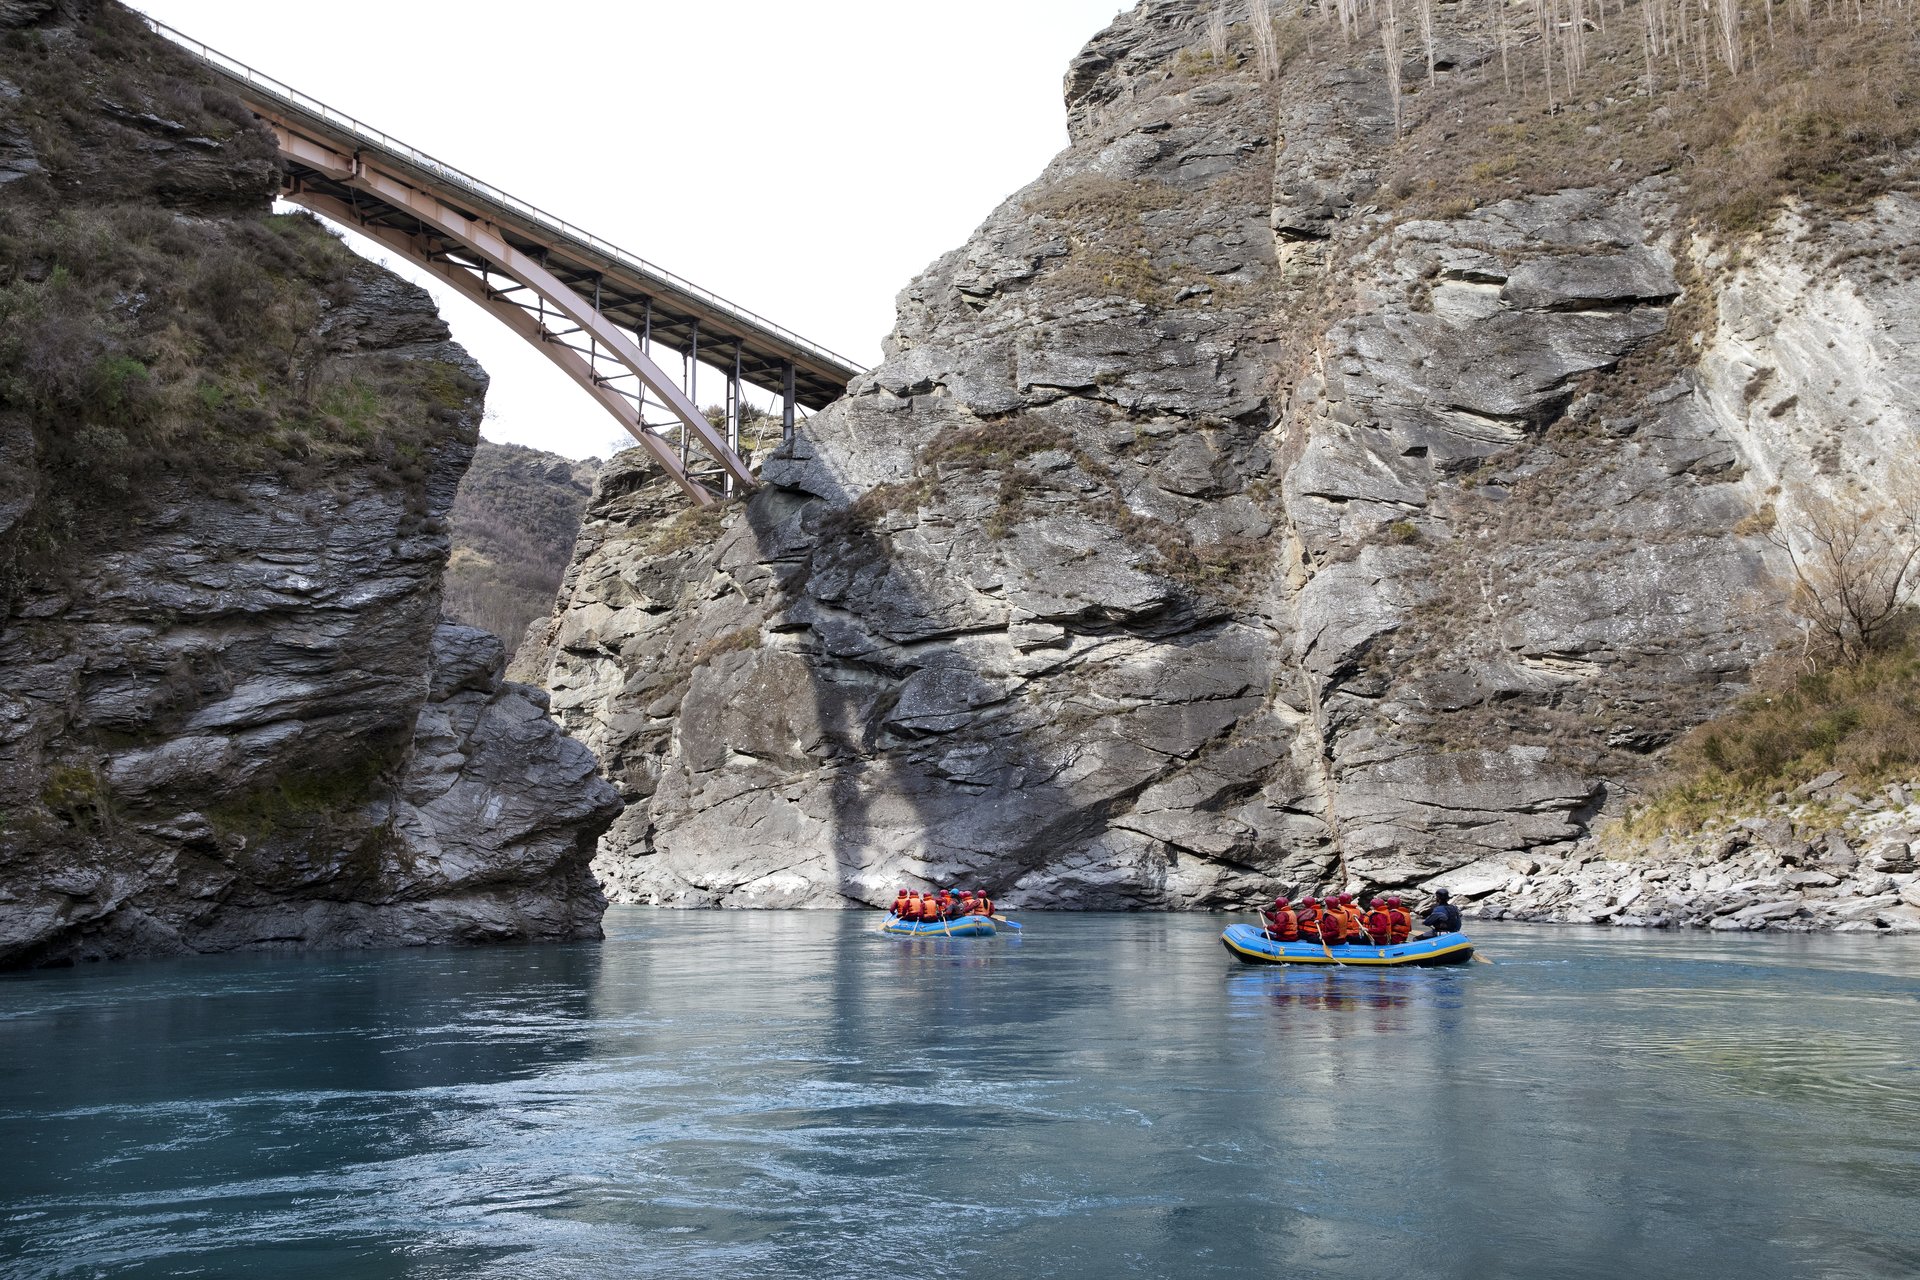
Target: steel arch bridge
(599, 313)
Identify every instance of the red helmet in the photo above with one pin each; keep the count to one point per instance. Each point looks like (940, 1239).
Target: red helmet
(1346, 897)
(1280, 901)
(1309, 902)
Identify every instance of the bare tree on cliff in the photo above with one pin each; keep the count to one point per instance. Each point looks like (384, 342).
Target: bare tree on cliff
(1856, 568)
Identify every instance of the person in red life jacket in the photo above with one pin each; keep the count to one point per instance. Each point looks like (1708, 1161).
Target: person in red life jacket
(945, 903)
(982, 904)
(1333, 922)
(963, 905)
(1400, 924)
(1282, 924)
(899, 907)
(1307, 922)
(1379, 923)
(1353, 921)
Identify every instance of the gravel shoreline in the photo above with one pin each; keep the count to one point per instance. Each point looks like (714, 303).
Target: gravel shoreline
(1823, 859)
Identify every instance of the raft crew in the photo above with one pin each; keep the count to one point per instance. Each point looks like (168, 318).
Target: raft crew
(1334, 918)
(933, 907)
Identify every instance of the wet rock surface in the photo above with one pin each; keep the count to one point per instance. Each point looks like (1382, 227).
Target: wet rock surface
(1211, 528)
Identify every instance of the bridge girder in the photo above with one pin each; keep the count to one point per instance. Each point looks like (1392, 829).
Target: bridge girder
(493, 254)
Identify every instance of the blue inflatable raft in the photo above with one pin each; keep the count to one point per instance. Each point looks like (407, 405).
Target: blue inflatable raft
(1250, 945)
(952, 927)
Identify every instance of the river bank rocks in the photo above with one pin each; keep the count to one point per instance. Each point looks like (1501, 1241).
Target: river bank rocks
(1826, 859)
(1244, 506)
(230, 715)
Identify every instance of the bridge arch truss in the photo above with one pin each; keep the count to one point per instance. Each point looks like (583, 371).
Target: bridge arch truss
(600, 314)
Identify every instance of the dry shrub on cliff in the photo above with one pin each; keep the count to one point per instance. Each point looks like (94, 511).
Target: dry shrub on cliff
(1856, 570)
(996, 445)
(1850, 700)
(1092, 203)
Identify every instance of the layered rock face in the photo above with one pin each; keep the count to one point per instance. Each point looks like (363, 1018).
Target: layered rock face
(1224, 518)
(230, 715)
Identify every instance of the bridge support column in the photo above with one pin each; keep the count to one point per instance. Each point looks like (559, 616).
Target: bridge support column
(787, 399)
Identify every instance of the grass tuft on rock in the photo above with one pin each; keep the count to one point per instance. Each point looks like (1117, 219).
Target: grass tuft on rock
(1862, 719)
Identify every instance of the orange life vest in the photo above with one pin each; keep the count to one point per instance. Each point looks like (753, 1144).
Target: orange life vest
(982, 905)
(945, 902)
(1283, 924)
(1400, 925)
(1309, 922)
(1333, 925)
(1379, 926)
(899, 907)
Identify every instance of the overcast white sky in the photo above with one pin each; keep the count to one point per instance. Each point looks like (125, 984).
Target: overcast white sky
(802, 159)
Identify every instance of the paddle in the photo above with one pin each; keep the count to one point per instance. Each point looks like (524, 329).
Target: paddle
(1011, 924)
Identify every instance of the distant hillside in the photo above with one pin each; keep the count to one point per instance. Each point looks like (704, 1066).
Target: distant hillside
(514, 522)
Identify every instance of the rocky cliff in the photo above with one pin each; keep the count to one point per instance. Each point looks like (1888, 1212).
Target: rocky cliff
(1346, 463)
(230, 714)
(514, 522)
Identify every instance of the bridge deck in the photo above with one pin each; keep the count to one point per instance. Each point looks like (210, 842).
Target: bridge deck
(631, 291)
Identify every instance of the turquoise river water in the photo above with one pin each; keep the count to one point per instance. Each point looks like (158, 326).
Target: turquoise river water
(787, 1095)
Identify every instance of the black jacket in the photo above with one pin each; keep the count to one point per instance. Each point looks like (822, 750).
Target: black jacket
(1444, 918)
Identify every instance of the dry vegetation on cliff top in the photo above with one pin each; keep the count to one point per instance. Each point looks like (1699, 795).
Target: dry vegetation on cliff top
(155, 320)
(1817, 109)
(139, 345)
(1748, 103)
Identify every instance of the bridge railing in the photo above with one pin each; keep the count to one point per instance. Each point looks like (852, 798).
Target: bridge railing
(459, 178)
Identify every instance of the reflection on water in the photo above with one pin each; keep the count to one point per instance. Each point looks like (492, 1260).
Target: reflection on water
(798, 1095)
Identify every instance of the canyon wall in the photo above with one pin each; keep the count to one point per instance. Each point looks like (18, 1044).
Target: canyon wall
(1294, 485)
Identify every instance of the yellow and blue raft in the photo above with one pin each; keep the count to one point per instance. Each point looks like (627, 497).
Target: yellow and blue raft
(953, 927)
(1250, 945)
